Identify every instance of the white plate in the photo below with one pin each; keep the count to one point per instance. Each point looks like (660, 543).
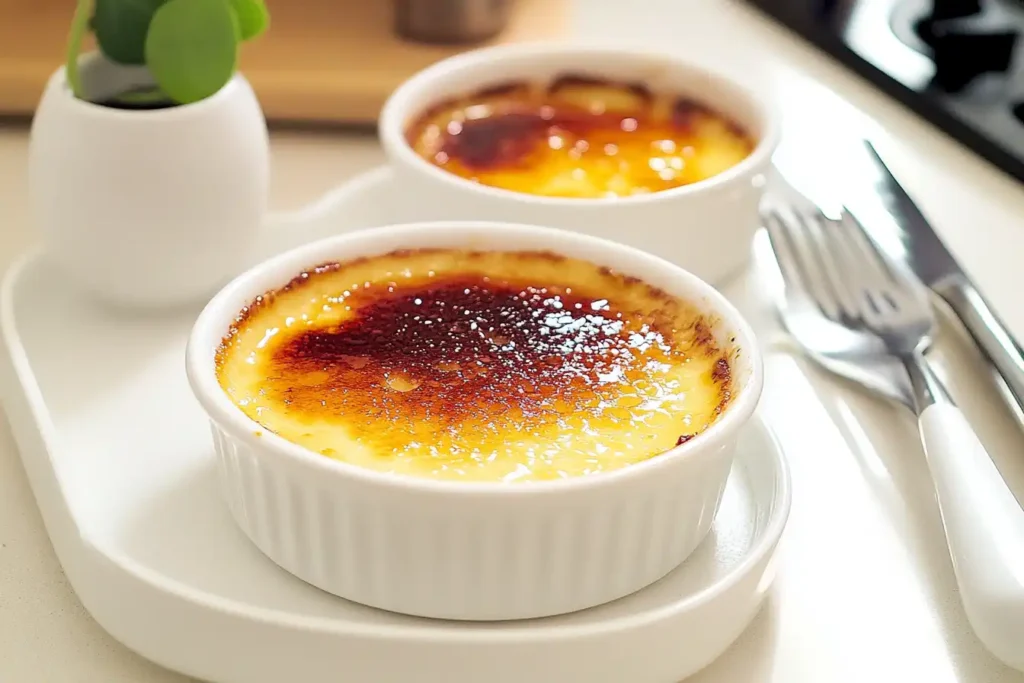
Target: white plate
(121, 464)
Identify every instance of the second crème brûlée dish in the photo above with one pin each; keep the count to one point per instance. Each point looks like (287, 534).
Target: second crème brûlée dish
(578, 137)
(476, 365)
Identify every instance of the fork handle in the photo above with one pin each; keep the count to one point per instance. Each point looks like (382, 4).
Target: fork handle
(983, 522)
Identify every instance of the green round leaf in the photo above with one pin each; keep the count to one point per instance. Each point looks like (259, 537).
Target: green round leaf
(253, 17)
(120, 27)
(192, 48)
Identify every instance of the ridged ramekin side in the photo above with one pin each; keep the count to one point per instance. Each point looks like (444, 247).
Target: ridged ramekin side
(477, 557)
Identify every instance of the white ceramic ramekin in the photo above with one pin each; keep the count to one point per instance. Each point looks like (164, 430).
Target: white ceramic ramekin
(706, 227)
(475, 551)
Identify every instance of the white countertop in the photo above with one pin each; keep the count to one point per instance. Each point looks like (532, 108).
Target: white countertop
(888, 615)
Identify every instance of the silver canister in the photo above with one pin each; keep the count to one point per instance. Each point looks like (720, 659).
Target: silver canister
(451, 21)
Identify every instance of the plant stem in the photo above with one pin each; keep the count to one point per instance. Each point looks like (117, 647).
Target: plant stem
(153, 95)
(79, 27)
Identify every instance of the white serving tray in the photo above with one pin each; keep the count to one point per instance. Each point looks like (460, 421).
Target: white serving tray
(119, 458)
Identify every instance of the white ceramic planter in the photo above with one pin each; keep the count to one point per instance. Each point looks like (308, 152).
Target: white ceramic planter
(148, 208)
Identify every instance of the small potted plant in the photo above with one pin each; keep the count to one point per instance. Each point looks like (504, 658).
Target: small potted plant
(149, 160)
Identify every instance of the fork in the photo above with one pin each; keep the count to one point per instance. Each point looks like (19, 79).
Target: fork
(834, 265)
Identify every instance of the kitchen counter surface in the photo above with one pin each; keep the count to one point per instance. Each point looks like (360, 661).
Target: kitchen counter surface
(46, 636)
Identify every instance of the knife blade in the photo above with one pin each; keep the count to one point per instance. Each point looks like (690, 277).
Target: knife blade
(920, 247)
(900, 229)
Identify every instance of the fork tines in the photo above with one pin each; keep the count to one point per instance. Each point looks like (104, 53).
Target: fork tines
(837, 264)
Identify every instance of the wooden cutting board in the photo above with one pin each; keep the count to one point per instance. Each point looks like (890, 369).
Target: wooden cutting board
(323, 61)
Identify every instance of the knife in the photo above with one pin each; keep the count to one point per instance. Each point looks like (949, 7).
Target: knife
(908, 237)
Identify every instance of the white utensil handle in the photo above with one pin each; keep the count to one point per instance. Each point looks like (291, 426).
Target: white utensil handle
(984, 529)
(990, 334)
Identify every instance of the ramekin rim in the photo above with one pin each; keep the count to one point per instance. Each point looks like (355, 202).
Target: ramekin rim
(218, 314)
(391, 124)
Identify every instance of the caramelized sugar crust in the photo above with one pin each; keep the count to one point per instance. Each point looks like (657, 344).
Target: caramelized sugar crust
(475, 365)
(578, 137)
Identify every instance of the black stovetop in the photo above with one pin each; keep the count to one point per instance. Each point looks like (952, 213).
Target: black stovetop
(957, 63)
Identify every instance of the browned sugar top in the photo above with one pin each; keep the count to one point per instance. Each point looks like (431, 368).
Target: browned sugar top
(578, 137)
(464, 348)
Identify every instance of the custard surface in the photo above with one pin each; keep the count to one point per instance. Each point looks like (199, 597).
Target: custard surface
(578, 138)
(488, 366)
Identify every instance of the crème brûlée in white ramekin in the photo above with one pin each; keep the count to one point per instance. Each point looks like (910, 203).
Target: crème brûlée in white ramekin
(474, 421)
(653, 150)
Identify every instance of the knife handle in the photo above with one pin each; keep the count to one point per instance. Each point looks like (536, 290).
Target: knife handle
(991, 335)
